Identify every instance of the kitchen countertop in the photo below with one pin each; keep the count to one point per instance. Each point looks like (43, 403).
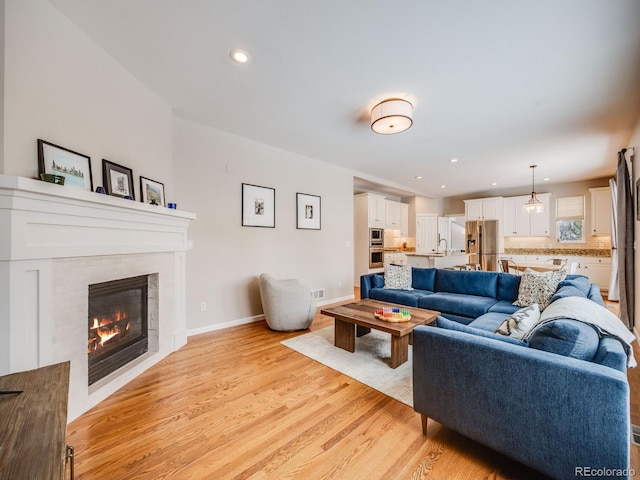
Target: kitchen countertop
(578, 252)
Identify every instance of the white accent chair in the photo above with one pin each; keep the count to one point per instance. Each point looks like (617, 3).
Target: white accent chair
(287, 305)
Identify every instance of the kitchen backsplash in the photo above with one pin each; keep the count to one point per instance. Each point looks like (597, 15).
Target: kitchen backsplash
(599, 242)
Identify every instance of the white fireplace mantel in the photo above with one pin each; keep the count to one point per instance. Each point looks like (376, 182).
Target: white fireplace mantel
(50, 236)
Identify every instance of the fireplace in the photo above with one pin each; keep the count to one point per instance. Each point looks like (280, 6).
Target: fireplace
(117, 324)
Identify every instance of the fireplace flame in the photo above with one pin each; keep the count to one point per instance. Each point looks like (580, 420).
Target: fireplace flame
(106, 329)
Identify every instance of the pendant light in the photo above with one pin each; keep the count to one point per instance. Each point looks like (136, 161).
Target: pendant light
(533, 205)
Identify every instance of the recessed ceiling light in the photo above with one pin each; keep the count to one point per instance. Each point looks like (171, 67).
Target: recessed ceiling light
(418, 177)
(443, 186)
(494, 184)
(453, 160)
(239, 56)
(546, 179)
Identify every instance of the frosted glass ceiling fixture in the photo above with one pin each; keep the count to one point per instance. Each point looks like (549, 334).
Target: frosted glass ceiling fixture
(533, 205)
(391, 116)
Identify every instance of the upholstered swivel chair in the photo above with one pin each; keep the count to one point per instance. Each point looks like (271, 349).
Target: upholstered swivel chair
(287, 305)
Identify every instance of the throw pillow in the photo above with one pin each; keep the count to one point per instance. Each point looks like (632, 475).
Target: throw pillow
(520, 322)
(538, 287)
(397, 277)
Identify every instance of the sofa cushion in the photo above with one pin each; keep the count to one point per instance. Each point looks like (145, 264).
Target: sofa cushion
(567, 291)
(423, 278)
(504, 306)
(403, 297)
(519, 323)
(578, 281)
(481, 284)
(508, 285)
(490, 321)
(397, 277)
(538, 287)
(377, 281)
(566, 337)
(465, 305)
(449, 325)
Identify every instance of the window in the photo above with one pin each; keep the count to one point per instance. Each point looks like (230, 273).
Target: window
(570, 219)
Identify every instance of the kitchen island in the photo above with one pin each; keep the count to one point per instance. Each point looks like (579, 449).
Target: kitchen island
(430, 260)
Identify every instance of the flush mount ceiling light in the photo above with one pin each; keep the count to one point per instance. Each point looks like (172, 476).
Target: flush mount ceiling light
(239, 56)
(533, 205)
(391, 116)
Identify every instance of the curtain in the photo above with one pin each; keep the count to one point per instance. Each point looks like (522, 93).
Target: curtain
(614, 291)
(625, 240)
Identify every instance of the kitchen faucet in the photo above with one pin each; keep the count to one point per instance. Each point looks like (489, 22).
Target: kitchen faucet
(446, 245)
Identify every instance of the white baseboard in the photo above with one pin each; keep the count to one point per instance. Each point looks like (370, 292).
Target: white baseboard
(255, 318)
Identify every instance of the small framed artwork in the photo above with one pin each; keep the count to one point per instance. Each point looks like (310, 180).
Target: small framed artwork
(258, 206)
(308, 211)
(73, 166)
(118, 180)
(152, 192)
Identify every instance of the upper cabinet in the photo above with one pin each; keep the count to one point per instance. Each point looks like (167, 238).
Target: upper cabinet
(426, 233)
(392, 214)
(518, 223)
(484, 209)
(376, 211)
(600, 211)
(404, 220)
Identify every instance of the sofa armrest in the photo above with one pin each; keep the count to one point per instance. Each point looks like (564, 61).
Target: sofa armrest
(547, 411)
(366, 284)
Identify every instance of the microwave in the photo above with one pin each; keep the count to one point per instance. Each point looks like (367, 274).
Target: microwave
(376, 237)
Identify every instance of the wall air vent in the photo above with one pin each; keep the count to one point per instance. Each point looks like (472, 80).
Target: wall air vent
(317, 294)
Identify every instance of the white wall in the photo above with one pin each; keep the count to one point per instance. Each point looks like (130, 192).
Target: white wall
(61, 87)
(227, 258)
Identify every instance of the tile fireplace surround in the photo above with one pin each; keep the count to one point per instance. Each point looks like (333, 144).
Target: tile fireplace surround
(57, 240)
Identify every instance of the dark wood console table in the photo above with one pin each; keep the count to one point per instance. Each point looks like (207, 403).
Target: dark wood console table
(33, 424)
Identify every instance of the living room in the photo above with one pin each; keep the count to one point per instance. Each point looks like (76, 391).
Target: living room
(65, 84)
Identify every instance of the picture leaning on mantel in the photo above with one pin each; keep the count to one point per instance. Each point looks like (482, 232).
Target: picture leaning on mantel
(73, 166)
(117, 179)
(258, 206)
(308, 211)
(152, 192)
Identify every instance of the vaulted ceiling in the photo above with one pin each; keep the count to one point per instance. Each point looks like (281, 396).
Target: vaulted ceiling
(497, 84)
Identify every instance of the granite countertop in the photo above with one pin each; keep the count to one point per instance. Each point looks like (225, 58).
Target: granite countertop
(579, 252)
(398, 250)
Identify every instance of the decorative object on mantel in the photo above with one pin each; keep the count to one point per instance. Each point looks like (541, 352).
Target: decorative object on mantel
(391, 116)
(533, 205)
(59, 161)
(308, 211)
(118, 180)
(172, 206)
(101, 190)
(51, 178)
(152, 192)
(258, 206)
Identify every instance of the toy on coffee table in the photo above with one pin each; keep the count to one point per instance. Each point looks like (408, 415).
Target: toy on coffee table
(392, 314)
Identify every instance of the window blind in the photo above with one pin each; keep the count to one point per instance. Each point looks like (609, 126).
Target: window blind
(570, 208)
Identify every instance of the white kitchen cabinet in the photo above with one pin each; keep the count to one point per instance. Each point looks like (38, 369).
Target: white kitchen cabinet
(397, 258)
(484, 209)
(376, 211)
(600, 211)
(426, 233)
(404, 220)
(598, 269)
(540, 221)
(518, 223)
(392, 215)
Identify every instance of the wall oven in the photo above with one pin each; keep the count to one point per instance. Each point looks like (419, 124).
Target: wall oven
(376, 257)
(376, 237)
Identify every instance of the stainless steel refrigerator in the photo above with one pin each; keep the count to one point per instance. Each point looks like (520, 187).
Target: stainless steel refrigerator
(482, 243)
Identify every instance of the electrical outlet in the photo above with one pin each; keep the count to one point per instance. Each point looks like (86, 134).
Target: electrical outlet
(339, 284)
(203, 306)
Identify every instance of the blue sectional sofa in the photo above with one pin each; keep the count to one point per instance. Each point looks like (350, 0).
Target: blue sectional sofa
(558, 403)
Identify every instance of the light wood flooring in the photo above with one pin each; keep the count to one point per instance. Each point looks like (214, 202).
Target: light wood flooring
(237, 404)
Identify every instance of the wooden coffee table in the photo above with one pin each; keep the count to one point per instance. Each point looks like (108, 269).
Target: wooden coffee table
(357, 318)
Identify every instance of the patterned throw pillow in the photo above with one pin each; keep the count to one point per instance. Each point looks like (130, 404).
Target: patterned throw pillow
(520, 322)
(397, 277)
(538, 287)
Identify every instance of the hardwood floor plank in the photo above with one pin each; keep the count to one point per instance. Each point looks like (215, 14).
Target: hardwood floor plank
(236, 404)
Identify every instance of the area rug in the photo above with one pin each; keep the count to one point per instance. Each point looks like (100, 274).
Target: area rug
(369, 364)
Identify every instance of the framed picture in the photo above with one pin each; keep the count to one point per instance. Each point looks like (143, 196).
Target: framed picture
(152, 192)
(258, 206)
(308, 211)
(118, 180)
(73, 166)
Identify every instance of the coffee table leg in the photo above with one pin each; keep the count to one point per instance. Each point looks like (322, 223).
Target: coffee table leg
(362, 331)
(345, 335)
(399, 350)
